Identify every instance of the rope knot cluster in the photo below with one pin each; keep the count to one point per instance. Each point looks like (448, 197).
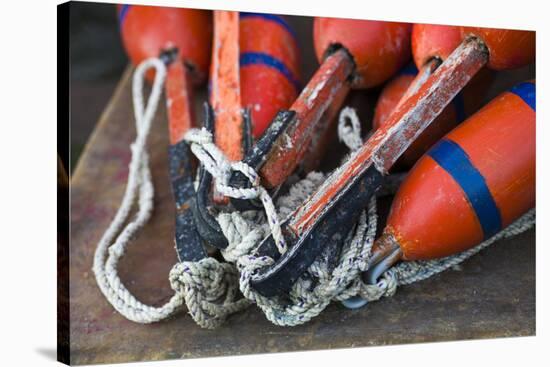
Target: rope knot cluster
(209, 288)
(217, 164)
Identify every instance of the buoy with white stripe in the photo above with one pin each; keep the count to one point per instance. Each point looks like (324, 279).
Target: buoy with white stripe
(473, 183)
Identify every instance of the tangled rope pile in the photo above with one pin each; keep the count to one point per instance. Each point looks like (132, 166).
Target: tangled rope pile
(210, 288)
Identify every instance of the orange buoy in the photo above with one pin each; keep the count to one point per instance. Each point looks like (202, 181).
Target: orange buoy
(147, 31)
(463, 105)
(508, 49)
(473, 183)
(269, 67)
(379, 49)
(431, 41)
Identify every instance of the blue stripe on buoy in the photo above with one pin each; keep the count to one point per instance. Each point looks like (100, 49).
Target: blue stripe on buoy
(453, 159)
(271, 17)
(458, 104)
(122, 14)
(260, 58)
(527, 92)
(410, 69)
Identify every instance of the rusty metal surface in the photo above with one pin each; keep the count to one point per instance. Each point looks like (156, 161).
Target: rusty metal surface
(492, 296)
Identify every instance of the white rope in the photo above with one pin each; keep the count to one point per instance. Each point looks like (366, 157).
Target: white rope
(220, 168)
(209, 288)
(349, 133)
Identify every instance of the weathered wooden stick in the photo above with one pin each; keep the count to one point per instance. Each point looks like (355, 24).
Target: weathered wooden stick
(290, 147)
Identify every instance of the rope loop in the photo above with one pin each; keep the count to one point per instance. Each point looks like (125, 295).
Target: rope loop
(220, 168)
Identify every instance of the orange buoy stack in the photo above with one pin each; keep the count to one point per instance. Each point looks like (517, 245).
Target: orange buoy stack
(473, 183)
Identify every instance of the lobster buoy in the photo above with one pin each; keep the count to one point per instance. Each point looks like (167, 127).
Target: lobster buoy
(508, 49)
(431, 41)
(473, 183)
(147, 31)
(269, 67)
(378, 49)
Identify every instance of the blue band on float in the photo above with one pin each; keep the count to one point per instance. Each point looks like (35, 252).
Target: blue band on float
(271, 17)
(260, 58)
(527, 92)
(453, 159)
(122, 14)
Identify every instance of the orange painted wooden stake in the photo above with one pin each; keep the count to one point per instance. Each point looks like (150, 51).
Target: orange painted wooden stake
(225, 93)
(181, 116)
(312, 103)
(468, 101)
(431, 44)
(183, 37)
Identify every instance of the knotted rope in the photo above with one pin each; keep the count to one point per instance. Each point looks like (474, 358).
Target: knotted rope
(208, 287)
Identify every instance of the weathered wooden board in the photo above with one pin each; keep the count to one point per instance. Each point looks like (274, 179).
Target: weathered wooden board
(492, 296)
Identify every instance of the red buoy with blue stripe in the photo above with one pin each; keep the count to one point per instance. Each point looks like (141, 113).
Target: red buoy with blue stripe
(269, 67)
(473, 183)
